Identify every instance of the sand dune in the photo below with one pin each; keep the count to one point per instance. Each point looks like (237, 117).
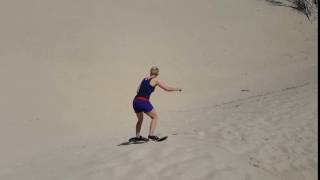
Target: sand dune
(270, 136)
(69, 71)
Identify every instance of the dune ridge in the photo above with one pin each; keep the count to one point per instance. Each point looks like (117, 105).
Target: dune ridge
(69, 71)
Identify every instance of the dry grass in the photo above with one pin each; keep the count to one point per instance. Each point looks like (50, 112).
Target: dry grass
(304, 6)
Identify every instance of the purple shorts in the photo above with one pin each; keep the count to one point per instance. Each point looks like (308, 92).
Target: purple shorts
(141, 105)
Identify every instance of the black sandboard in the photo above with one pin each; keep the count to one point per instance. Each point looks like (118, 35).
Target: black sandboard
(134, 139)
(162, 138)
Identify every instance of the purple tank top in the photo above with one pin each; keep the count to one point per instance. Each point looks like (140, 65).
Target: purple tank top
(145, 89)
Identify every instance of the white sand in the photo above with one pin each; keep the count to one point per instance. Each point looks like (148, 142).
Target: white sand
(69, 70)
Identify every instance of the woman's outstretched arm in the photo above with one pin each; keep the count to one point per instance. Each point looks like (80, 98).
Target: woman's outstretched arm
(165, 87)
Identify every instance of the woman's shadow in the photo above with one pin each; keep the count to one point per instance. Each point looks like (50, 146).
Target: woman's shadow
(132, 140)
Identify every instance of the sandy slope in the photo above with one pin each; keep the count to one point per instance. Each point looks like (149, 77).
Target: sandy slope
(69, 70)
(270, 136)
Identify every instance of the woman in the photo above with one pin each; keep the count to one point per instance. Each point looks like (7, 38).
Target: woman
(141, 103)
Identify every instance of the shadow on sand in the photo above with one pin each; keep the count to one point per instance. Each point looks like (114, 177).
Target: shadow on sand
(131, 141)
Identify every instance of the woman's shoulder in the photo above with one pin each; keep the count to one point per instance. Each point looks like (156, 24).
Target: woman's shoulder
(154, 78)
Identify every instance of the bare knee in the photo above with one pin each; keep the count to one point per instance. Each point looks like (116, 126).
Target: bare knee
(140, 116)
(155, 116)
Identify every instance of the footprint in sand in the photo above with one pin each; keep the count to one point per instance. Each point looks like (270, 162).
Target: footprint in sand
(201, 134)
(254, 162)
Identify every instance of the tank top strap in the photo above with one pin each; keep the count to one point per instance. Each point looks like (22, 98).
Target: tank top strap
(148, 79)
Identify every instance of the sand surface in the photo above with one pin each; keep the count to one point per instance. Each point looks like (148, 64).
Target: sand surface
(69, 71)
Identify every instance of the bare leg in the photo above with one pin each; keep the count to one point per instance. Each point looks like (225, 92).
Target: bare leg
(154, 118)
(139, 123)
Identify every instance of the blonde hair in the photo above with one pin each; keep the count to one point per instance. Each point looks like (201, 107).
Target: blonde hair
(154, 71)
